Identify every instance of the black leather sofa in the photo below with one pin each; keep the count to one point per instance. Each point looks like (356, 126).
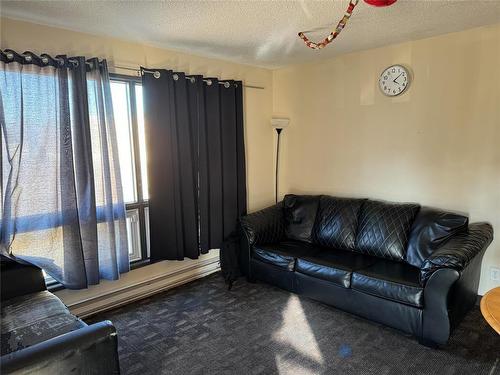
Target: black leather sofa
(40, 336)
(409, 267)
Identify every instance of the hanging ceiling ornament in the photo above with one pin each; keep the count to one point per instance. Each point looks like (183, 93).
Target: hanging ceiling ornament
(380, 3)
(342, 23)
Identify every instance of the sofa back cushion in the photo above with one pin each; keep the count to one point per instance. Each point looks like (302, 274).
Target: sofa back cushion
(384, 228)
(432, 228)
(337, 222)
(300, 214)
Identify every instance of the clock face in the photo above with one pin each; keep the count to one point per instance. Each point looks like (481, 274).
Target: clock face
(394, 80)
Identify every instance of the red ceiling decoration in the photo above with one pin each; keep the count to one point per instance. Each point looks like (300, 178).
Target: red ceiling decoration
(342, 23)
(380, 3)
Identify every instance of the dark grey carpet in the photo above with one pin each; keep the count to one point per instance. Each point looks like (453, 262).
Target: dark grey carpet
(201, 328)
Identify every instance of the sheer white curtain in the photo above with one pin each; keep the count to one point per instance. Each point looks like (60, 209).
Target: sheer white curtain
(61, 195)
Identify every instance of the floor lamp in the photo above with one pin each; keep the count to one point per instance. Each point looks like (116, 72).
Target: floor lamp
(278, 124)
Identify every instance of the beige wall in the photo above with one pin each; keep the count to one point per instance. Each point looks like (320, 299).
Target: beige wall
(24, 36)
(438, 144)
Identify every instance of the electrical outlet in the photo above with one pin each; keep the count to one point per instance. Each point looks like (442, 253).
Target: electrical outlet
(495, 273)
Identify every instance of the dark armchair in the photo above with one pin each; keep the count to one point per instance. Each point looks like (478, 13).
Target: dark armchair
(39, 334)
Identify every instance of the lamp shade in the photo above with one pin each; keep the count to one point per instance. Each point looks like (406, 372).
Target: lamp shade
(380, 3)
(280, 122)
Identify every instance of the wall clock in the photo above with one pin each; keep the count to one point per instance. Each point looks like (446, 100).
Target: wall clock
(394, 80)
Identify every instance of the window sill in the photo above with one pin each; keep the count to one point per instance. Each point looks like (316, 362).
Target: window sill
(54, 286)
(138, 284)
(139, 263)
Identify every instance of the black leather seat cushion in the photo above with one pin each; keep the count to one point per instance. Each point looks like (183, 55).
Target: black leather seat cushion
(33, 318)
(283, 254)
(300, 215)
(384, 229)
(333, 265)
(337, 222)
(391, 280)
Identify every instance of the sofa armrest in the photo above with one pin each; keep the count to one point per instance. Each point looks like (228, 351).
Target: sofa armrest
(88, 350)
(18, 279)
(264, 226)
(459, 251)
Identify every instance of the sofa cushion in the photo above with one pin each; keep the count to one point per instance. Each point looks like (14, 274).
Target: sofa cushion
(283, 254)
(335, 266)
(337, 222)
(300, 214)
(384, 228)
(431, 229)
(33, 318)
(390, 280)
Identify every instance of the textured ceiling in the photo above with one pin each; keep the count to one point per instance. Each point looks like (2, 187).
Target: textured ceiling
(262, 33)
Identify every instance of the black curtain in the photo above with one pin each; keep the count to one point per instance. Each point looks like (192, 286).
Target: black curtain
(196, 162)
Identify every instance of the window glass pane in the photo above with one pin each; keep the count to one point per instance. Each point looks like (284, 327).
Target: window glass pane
(121, 109)
(142, 141)
(146, 217)
(133, 235)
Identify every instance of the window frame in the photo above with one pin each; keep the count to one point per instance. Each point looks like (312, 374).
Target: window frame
(141, 204)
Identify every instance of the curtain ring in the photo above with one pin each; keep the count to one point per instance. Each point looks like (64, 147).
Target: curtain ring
(192, 80)
(28, 58)
(156, 74)
(209, 82)
(10, 55)
(45, 60)
(227, 85)
(176, 77)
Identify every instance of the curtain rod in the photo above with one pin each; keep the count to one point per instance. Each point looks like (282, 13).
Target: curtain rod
(156, 74)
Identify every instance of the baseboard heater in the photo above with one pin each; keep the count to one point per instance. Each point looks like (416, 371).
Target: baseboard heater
(143, 289)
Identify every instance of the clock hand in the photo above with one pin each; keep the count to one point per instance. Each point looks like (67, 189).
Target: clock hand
(397, 78)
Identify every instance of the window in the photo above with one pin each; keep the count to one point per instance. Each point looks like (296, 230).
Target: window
(129, 122)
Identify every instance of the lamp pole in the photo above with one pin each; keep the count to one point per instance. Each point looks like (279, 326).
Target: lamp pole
(278, 131)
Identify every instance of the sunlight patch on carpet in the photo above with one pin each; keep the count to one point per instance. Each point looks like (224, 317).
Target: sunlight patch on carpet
(303, 339)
